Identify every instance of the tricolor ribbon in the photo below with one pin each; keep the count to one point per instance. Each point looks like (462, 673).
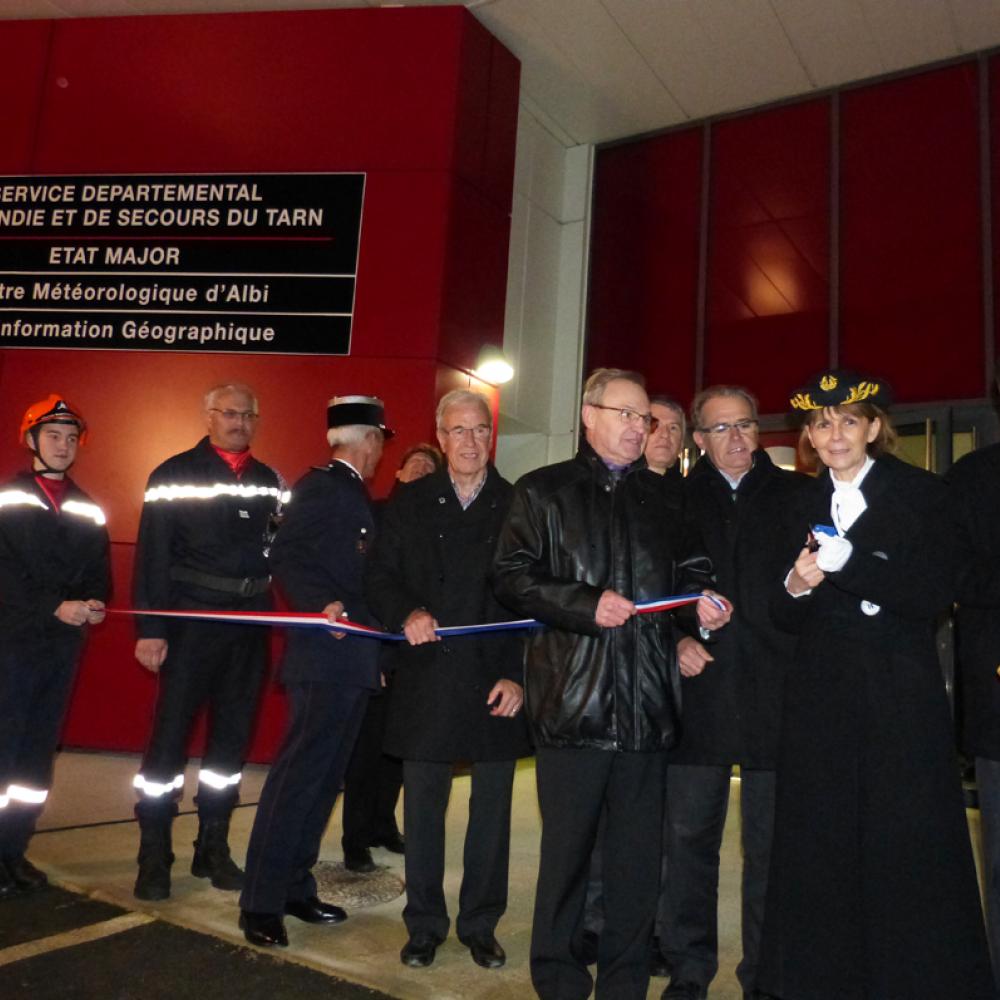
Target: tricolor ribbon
(298, 619)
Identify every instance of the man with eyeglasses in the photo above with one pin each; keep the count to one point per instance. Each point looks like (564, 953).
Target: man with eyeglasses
(585, 540)
(208, 519)
(456, 698)
(730, 692)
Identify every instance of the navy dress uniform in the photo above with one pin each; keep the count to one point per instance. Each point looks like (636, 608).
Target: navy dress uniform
(54, 579)
(206, 525)
(317, 559)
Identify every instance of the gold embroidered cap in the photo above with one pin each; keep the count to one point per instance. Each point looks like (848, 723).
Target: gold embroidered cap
(841, 387)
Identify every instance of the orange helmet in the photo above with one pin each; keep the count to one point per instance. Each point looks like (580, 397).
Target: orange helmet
(54, 409)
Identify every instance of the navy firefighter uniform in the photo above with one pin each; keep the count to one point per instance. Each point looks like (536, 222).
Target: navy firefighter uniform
(318, 560)
(205, 529)
(54, 580)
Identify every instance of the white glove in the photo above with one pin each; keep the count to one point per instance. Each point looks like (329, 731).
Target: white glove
(834, 551)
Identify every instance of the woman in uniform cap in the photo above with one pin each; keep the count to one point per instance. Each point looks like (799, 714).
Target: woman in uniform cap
(872, 892)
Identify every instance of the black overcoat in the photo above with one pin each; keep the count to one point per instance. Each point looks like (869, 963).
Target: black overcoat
(872, 891)
(318, 557)
(432, 554)
(975, 489)
(730, 711)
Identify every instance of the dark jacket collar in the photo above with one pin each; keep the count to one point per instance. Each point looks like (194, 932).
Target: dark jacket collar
(761, 470)
(440, 482)
(589, 458)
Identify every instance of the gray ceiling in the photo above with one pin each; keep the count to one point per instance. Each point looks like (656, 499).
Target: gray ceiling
(595, 70)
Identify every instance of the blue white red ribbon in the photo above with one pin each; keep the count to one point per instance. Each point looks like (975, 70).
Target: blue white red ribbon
(298, 619)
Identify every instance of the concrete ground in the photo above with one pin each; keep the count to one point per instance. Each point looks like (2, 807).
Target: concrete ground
(87, 842)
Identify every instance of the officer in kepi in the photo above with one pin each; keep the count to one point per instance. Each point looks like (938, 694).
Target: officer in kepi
(207, 522)
(318, 561)
(54, 580)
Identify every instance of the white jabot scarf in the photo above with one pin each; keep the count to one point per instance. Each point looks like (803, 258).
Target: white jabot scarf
(848, 503)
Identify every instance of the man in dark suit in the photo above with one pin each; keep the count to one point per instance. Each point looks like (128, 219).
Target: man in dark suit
(583, 542)
(730, 693)
(374, 779)
(457, 699)
(318, 561)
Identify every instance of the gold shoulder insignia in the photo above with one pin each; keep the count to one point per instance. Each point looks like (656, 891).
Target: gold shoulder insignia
(828, 382)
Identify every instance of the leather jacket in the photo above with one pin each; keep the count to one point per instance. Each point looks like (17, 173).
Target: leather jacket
(574, 530)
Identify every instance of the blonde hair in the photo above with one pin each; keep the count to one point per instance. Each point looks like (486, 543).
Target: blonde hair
(597, 382)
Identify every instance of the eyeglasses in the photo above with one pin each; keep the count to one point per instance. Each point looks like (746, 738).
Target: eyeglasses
(627, 416)
(721, 430)
(233, 415)
(480, 432)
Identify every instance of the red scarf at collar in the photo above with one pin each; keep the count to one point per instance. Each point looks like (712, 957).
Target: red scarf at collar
(236, 460)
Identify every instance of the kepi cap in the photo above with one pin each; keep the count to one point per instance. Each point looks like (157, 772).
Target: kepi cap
(346, 411)
(841, 387)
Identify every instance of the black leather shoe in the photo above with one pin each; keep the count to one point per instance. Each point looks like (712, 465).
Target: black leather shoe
(359, 861)
(419, 951)
(395, 843)
(485, 950)
(315, 911)
(8, 887)
(684, 989)
(265, 929)
(26, 876)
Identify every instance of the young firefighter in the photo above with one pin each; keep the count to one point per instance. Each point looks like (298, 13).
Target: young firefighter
(54, 580)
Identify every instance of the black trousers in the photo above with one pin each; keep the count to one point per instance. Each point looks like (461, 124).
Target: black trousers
(574, 787)
(687, 918)
(218, 665)
(299, 794)
(35, 686)
(988, 782)
(483, 897)
(372, 783)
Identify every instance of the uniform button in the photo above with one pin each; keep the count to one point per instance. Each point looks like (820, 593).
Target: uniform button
(442, 500)
(607, 488)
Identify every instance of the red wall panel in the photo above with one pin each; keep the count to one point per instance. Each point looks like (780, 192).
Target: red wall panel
(644, 263)
(910, 234)
(24, 48)
(768, 265)
(372, 89)
(909, 243)
(423, 101)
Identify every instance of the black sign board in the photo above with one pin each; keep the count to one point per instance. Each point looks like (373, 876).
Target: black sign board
(262, 263)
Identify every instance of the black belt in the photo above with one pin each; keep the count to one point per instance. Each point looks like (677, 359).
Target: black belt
(248, 586)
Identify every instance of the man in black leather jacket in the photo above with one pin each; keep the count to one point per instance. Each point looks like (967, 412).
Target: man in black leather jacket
(583, 542)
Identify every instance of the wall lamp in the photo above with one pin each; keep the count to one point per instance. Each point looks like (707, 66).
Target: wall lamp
(493, 367)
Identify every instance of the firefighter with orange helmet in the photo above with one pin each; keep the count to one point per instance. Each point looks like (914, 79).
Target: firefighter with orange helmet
(54, 580)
